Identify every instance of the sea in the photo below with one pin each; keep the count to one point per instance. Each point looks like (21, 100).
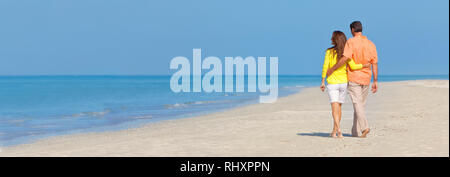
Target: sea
(36, 107)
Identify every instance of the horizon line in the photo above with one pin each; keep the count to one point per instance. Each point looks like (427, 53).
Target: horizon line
(25, 75)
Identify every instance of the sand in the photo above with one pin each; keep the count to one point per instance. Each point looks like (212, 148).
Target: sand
(408, 118)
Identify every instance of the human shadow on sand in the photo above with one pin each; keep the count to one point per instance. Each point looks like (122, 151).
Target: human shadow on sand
(321, 134)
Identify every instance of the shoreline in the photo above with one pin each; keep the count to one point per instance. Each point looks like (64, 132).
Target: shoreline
(139, 123)
(296, 125)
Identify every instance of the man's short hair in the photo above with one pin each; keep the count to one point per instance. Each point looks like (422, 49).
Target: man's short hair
(356, 26)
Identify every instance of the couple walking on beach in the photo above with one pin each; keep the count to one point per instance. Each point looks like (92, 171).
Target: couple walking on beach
(360, 54)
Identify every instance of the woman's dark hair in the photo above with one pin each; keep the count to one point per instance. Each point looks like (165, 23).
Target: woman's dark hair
(338, 39)
(356, 26)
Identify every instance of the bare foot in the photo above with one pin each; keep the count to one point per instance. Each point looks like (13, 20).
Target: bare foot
(333, 134)
(364, 133)
(340, 134)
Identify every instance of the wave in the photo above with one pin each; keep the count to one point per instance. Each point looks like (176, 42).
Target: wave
(176, 105)
(90, 114)
(295, 86)
(143, 117)
(189, 103)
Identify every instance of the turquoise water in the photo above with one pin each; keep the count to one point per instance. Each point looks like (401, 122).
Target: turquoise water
(34, 107)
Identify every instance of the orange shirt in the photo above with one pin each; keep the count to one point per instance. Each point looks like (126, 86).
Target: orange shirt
(363, 51)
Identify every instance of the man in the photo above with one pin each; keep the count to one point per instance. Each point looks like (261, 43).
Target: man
(363, 51)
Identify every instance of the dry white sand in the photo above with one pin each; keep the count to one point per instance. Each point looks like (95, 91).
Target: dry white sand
(408, 118)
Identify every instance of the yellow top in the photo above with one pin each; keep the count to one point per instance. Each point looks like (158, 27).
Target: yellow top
(339, 76)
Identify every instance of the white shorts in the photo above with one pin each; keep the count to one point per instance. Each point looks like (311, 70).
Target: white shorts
(337, 92)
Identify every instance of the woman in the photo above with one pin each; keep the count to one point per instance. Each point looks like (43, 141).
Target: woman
(337, 82)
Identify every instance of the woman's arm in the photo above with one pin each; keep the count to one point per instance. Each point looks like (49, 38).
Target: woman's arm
(326, 65)
(353, 65)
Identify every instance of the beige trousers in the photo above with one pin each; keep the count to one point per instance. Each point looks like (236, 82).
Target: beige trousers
(358, 93)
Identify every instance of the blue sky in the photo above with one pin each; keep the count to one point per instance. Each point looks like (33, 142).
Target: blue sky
(136, 37)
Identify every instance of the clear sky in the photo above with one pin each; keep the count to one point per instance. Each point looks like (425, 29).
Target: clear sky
(115, 37)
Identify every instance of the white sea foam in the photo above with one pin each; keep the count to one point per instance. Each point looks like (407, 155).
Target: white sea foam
(176, 105)
(186, 104)
(91, 114)
(143, 117)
